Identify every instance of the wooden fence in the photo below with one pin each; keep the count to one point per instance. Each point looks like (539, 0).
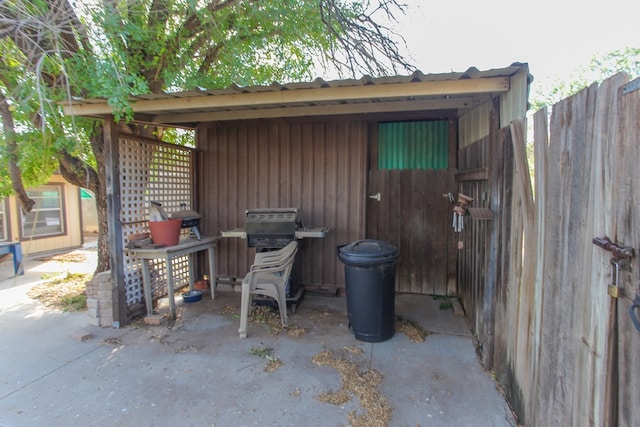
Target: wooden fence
(535, 285)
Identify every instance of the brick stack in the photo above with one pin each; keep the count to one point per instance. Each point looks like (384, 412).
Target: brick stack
(100, 300)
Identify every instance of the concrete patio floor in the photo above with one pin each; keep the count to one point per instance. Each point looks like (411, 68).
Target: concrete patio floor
(58, 370)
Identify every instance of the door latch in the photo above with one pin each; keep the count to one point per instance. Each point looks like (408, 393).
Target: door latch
(618, 250)
(620, 253)
(375, 196)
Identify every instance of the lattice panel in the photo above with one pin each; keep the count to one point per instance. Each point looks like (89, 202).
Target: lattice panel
(157, 270)
(162, 173)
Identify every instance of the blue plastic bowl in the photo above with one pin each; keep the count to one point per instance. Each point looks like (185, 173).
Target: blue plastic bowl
(192, 296)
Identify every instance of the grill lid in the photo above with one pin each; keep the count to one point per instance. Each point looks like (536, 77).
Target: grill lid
(272, 227)
(277, 215)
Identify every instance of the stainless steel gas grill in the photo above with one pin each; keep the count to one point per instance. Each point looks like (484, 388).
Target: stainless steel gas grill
(271, 228)
(274, 228)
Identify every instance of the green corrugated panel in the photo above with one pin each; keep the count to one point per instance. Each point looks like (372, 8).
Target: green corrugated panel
(84, 194)
(413, 145)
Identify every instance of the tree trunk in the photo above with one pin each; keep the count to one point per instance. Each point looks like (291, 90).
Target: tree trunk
(97, 143)
(103, 230)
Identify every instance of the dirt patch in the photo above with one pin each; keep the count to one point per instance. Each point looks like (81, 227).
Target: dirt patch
(116, 342)
(230, 309)
(66, 293)
(411, 329)
(270, 318)
(273, 362)
(188, 348)
(70, 257)
(353, 382)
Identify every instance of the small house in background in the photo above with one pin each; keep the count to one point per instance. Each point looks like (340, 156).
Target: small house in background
(55, 222)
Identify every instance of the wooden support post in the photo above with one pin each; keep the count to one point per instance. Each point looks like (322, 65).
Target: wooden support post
(116, 243)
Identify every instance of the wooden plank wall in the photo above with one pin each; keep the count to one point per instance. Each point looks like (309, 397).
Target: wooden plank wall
(472, 255)
(564, 351)
(485, 173)
(318, 166)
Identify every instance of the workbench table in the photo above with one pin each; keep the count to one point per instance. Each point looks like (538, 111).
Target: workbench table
(15, 249)
(184, 247)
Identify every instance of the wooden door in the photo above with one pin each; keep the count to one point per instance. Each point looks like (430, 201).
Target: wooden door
(406, 208)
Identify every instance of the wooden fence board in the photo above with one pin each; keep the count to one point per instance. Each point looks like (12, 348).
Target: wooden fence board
(571, 355)
(627, 231)
(541, 138)
(593, 326)
(564, 351)
(525, 291)
(560, 341)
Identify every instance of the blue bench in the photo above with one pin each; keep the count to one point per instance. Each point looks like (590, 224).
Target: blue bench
(14, 249)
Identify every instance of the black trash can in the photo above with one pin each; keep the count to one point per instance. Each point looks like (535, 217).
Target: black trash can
(370, 276)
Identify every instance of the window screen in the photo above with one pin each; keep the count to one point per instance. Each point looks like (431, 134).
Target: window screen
(413, 145)
(46, 218)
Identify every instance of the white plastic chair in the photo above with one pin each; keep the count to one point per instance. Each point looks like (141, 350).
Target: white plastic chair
(268, 276)
(275, 256)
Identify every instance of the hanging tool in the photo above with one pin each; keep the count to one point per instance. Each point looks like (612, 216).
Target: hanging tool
(459, 210)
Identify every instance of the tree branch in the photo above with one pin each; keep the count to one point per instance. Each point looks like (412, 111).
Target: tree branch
(193, 23)
(78, 172)
(14, 170)
(362, 42)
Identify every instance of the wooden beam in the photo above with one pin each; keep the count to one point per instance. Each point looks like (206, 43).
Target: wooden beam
(330, 94)
(318, 110)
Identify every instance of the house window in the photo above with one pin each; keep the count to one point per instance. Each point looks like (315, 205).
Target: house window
(4, 235)
(47, 216)
(413, 145)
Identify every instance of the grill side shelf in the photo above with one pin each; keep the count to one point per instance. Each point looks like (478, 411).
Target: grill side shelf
(308, 232)
(234, 232)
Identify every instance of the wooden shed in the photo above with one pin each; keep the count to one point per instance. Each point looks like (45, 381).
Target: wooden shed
(369, 158)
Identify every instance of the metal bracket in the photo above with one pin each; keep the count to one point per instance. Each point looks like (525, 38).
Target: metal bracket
(376, 196)
(631, 86)
(618, 250)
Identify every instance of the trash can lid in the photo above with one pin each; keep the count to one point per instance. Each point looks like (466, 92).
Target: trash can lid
(368, 250)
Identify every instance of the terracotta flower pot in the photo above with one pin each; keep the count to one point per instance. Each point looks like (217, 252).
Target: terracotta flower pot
(166, 232)
(201, 285)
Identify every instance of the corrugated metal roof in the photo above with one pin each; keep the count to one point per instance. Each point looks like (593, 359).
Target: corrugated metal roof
(417, 91)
